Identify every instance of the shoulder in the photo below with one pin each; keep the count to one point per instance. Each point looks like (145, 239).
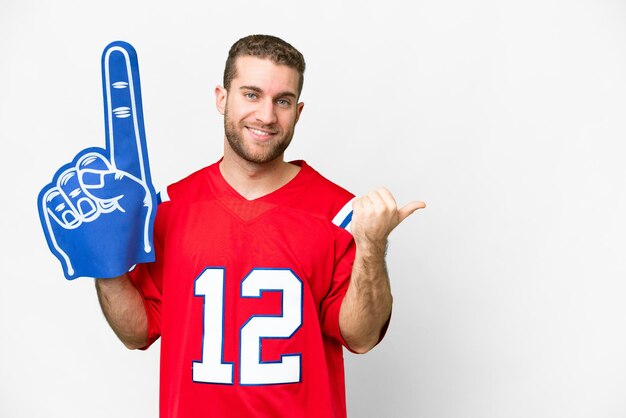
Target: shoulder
(326, 198)
(192, 187)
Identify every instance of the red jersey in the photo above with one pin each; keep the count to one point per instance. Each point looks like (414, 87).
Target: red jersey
(245, 295)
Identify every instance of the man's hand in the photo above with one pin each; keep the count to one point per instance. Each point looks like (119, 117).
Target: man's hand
(367, 305)
(98, 212)
(376, 215)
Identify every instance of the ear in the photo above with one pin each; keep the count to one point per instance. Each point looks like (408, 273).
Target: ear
(220, 99)
(299, 108)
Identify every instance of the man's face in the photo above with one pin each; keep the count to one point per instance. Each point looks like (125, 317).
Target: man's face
(260, 109)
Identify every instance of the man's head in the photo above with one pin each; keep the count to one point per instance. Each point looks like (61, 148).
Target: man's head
(259, 99)
(265, 47)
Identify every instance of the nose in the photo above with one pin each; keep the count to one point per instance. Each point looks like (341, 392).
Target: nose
(266, 113)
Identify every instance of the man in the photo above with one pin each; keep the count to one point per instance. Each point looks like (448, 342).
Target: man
(264, 269)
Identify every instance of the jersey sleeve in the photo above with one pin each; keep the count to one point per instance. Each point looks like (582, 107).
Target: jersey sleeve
(331, 305)
(148, 279)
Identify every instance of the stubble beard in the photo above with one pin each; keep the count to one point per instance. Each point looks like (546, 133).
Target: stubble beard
(270, 152)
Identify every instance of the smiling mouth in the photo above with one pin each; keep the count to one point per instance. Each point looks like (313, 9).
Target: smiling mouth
(260, 133)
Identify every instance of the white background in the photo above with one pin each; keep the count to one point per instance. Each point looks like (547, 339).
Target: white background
(507, 118)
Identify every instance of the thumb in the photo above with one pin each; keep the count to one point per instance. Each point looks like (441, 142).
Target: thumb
(408, 209)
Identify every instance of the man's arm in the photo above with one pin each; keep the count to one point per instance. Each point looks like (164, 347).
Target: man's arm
(124, 310)
(367, 304)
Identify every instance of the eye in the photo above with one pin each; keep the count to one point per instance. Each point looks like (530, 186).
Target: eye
(250, 96)
(283, 102)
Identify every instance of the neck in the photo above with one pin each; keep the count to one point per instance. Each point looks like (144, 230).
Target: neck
(253, 180)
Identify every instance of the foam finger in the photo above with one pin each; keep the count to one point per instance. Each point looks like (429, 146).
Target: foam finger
(123, 109)
(57, 208)
(70, 187)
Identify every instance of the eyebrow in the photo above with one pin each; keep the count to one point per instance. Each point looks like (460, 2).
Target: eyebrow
(260, 90)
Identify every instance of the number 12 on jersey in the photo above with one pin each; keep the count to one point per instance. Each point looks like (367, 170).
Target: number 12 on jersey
(252, 370)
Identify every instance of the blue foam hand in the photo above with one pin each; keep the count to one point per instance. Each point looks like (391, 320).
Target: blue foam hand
(98, 212)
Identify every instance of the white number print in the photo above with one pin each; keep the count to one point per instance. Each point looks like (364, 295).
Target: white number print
(212, 369)
(253, 371)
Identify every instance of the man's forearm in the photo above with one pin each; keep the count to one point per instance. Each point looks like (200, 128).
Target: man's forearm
(124, 310)
(367, 304)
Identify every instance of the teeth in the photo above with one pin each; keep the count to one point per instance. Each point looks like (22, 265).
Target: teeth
(259, 132)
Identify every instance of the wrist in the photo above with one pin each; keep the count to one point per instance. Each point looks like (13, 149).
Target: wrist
(372, 249)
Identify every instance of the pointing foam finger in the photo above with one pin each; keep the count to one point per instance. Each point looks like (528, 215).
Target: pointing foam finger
(123, 110)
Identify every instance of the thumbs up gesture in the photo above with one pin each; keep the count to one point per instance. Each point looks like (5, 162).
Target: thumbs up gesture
(98, 212)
